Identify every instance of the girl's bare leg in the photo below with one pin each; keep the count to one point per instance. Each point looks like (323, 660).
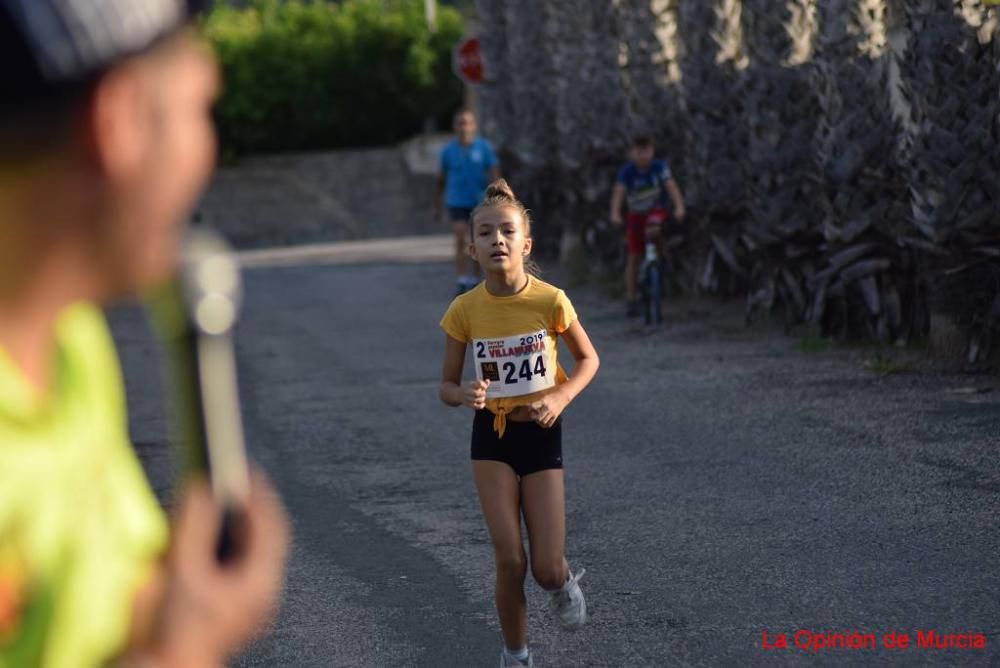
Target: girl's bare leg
(500, 499)
(543, 497)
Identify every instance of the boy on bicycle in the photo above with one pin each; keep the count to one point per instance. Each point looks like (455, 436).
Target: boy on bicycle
(644, 183)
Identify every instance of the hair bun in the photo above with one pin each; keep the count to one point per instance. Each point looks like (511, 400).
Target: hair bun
(500, 189)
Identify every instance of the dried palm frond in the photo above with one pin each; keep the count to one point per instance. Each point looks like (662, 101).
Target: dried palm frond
(868, 284)
(713, 60)
(951, 83)
(782, 232)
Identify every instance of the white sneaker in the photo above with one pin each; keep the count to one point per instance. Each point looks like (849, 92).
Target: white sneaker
(509, 661)
(568, 603)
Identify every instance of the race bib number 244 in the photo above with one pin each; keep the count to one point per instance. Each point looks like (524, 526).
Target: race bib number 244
(515, 365)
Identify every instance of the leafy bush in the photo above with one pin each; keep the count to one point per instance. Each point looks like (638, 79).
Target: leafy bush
(311, 75)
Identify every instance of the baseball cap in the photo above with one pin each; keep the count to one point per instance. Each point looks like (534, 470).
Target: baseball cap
(53, 45)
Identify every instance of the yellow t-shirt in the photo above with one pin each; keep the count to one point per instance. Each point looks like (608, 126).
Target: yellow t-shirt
(79, 526)
(513, 341)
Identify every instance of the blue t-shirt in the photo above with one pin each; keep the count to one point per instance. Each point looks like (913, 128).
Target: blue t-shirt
(645, 190)
(466, 171)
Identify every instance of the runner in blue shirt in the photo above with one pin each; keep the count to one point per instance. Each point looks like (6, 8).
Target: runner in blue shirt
(468, 164)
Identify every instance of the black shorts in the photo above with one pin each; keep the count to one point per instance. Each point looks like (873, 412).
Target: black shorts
(525, 447)
(458, 214)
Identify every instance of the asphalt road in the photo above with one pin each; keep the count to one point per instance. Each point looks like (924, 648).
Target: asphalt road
(721, 484)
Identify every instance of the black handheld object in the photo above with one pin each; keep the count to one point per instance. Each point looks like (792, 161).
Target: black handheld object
(194, 315)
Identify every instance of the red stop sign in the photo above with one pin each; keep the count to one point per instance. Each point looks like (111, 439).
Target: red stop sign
(467, 61)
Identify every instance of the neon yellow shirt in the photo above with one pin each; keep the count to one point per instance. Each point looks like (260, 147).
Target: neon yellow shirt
(79, 526)
(514, 341)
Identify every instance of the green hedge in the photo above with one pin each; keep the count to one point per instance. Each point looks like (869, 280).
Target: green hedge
(314, 75)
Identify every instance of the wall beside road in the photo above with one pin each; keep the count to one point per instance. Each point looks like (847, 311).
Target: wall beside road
(839, 157)
(328, 196)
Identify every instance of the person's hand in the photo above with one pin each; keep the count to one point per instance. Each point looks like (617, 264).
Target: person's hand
(616, 218)
(680, 212)
(210, 609)
(474, 394)
(547, 410)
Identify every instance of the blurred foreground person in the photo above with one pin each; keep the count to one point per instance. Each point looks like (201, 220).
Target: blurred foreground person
(106, 140)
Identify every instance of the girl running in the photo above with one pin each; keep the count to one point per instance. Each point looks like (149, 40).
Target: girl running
(512, 320)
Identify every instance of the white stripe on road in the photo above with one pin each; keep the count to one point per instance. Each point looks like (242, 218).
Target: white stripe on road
(436, 248)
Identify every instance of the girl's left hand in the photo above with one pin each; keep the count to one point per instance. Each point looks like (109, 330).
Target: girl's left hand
(547, 410)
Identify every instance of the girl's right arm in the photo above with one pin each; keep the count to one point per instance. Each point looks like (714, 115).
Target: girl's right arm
(452, 392)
